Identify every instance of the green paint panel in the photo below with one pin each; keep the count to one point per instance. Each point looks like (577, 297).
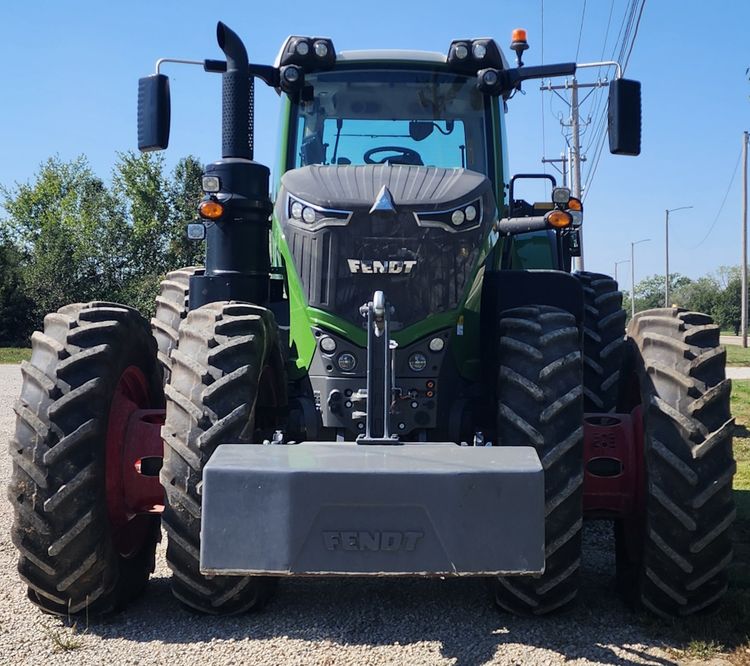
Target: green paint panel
(530, 251)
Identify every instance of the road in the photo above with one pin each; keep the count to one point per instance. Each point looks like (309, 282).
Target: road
(331, 621)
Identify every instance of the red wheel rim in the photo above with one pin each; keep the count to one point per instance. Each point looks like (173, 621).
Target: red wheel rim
(128, 530)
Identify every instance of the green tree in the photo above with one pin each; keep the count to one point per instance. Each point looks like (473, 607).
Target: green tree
(727, 312)
(70, 232)
(157, 209)
(649, 292)
(701, 295)
(185, 194)
(16, 309)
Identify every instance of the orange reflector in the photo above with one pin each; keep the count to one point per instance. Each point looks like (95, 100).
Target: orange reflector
(210, 209)
(518, 35)
(559, 219)
(575, 204)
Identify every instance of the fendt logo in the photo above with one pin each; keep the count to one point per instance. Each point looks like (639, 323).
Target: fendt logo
(389, 266)
(374, 541)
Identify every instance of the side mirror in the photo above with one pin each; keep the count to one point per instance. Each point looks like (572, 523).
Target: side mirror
(153, 112)
(624, 117)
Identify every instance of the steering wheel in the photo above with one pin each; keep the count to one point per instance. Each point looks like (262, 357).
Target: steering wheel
(403, 156)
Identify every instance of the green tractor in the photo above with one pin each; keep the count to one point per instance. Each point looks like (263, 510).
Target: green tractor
(388, 368)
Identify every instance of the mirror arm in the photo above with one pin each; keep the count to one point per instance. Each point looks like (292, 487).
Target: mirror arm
(511, 78)
(509, 226)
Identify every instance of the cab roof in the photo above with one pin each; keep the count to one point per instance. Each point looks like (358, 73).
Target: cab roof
(391, 55)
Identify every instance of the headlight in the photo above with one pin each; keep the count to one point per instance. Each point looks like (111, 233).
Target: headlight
(436, 345)
(417, 362)
(328, 344)
(310, 216)
(461, 218)
(479, 50)
(347, 362)
(310, 53)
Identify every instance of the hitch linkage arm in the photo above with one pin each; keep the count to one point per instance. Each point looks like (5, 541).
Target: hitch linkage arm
(380, 388)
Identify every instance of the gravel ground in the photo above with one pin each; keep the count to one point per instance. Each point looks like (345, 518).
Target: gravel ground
(329, 621)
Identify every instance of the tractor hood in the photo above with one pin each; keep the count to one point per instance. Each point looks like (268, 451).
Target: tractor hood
(413, 232)
(349, 187)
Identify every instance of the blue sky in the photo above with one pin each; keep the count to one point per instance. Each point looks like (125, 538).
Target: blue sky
(71, 70)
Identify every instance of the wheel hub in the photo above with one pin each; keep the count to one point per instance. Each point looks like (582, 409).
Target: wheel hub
(134, 453)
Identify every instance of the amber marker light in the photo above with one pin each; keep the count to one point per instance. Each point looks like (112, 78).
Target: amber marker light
(574, 204)
(559, 219)
(210, 209)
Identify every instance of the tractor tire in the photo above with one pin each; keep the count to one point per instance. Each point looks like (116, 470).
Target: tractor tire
(540, 402)
(603, 341)
(171, 309)
(228, 381)
(73, 557)
(685, 546)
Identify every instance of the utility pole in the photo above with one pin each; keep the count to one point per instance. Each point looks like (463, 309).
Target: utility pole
(563, 168)
(632, 274)
(744, 240)
(575, 126)
(617, 263)
(666, 253)
(575, 167)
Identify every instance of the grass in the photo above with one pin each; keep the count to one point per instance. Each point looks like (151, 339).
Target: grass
(66, 639)
(698, 649)
(724, 633)
(737, 355)
(14, 354)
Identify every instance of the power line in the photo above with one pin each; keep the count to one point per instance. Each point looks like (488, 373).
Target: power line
(723, 201)
(599, 94)
(635, 34)
(630, 12)
(580, 31)
(600, 126)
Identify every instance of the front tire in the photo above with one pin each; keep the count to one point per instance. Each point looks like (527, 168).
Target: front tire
(227, 385)
(680, 567)
(603, 341)
(73, 557)
(172, 305)
(540, 403)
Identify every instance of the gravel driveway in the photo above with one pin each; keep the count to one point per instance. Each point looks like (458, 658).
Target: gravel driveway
(328, 621)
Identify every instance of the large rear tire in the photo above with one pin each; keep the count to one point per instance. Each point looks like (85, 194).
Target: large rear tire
(91, 360)
(172, 305)
(540, 403)
(603, 341)
(227, 385)
(679, 565)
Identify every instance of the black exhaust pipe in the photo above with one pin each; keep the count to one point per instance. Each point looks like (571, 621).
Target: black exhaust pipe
(238, 261)
(236, 111)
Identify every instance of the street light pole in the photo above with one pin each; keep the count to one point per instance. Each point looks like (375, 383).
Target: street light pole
(617, 263)
(632, 274)
(666, 252)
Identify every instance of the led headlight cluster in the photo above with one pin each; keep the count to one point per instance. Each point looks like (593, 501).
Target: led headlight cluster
(308, 215)
(462, 218)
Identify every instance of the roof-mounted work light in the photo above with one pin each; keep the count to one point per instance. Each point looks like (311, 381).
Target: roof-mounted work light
(471, 55)
(309, 53)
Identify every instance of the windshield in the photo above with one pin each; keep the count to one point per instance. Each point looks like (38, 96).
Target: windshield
(391, 116)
